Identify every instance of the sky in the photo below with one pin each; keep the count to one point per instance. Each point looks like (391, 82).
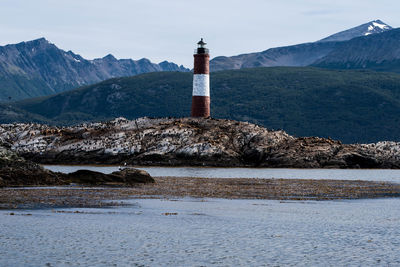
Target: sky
(169, 30)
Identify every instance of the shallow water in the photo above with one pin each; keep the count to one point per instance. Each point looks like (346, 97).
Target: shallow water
(211, 232)
(339, 174)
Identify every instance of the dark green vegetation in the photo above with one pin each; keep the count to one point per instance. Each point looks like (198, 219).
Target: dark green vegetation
(10, 114)
(352, 106)
(154, 95)
(15, 87)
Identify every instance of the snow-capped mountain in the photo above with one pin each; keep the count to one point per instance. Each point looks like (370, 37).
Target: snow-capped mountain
(301, 54)
(376, 51)
(372, 27)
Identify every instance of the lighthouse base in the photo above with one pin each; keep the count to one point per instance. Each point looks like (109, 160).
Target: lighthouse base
(201, 106)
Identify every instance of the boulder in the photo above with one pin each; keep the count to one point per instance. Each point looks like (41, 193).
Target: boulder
(16, 171)
(132, 176)
(125, 177)
(22, 176)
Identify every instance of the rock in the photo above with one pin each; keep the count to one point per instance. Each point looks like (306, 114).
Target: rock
(361, 161)
(190, 142)
(86, 177)
(16, 171)
(124, 177)
(133, 176)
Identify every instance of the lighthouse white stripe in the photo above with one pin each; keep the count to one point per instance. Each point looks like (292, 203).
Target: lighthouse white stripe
(201, 85)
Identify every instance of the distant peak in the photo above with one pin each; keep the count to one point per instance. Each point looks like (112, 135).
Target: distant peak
(372, 27)
(109, 57)
(40, 43)
(144, 60)
(379, 21)
(39, 40)
(377, 25)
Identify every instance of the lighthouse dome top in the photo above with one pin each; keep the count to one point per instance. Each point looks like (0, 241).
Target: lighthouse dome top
(201, 49)
(201, 43)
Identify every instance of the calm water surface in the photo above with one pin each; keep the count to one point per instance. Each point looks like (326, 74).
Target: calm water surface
(209, 232)
(341, 174)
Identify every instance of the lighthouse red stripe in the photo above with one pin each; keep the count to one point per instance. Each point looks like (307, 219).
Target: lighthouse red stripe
(200, 106)
(201, 64)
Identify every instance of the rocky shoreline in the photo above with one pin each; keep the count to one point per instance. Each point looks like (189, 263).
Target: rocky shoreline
(16, 171)
(189, 142)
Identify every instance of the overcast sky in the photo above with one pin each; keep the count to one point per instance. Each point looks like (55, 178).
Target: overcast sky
(169, 30)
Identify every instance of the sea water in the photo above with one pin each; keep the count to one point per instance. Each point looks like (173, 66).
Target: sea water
(206, 232)
(336, 174)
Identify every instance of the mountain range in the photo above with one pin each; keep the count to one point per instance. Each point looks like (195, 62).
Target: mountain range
(38, 67)
(315, 52)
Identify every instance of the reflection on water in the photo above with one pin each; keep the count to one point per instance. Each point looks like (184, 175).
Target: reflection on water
(340, 174)
(192, 232)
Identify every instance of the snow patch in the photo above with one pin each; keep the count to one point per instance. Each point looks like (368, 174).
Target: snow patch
(375, 26)
(381, 26)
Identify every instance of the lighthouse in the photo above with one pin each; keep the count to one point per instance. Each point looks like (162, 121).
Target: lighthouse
(201, 81)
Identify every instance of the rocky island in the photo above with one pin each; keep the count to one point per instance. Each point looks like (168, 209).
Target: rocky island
(189, 142)
(175, 142)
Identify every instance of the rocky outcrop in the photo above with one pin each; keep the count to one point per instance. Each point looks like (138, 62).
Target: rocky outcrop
(190, 141)
(16, 171)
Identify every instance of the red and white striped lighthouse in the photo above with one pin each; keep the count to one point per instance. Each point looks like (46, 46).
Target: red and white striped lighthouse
(201, 82)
